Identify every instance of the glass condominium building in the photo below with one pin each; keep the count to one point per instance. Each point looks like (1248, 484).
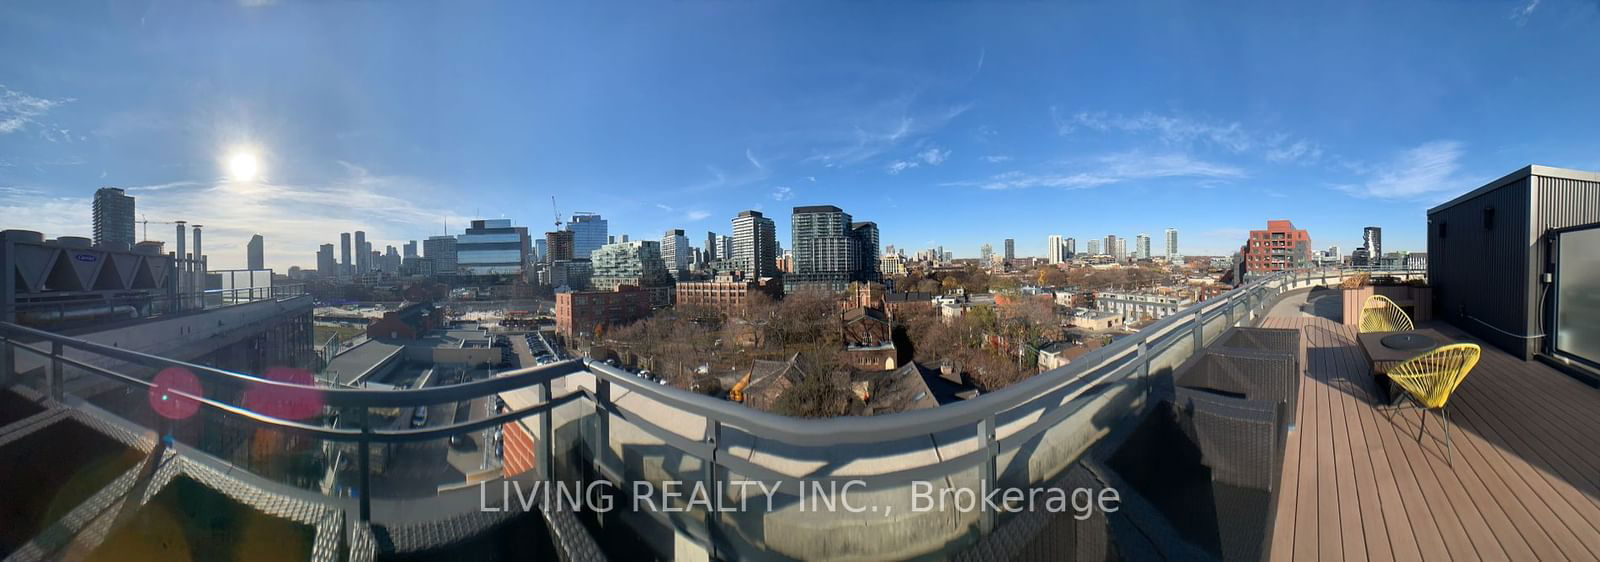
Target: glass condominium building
(589, 233)
(493, 247)
(636, 263)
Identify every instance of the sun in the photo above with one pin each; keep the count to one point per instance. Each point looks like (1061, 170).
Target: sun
(244, 166)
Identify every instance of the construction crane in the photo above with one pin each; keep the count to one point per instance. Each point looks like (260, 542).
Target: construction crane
(146, 222)
(556, 211)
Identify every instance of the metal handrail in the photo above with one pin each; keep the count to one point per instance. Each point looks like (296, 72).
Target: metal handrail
(542, 374)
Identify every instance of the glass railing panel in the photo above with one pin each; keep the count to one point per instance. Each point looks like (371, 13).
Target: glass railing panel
(860, 501)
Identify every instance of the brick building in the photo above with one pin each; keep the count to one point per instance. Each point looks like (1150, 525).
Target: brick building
(578, 312)
(728, 298)
(1278, 248)
(410, 321)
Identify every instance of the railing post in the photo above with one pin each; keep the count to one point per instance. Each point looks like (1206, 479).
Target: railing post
(8, 369)
(986, 472)
(547, 446)
(1199, 329)
(602, 441)
(1231, 321)
(56, 392)
(364, 462)
(1143, 358)
(709, 479)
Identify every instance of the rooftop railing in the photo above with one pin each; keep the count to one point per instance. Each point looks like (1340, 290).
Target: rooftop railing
(609, 424)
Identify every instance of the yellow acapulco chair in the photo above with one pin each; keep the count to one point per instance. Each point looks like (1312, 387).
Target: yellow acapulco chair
(1379, 314)
(1430, 379)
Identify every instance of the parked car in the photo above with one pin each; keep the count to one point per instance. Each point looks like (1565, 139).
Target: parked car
(420, 418)
(460, 441)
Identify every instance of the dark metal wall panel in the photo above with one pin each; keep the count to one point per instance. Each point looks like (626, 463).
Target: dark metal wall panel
(1565, 203)
(1558, 203)
(1479, 273)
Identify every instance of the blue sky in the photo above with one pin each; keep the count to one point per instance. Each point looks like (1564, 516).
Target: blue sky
(947, 123)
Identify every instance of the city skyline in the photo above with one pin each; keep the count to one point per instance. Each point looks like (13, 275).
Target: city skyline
(899, 117)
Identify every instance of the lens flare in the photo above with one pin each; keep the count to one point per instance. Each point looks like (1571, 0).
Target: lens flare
(167, 403)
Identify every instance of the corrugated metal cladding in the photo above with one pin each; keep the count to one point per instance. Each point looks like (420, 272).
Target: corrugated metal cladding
(1566, 202)
(1480, 269)
(1486, 255)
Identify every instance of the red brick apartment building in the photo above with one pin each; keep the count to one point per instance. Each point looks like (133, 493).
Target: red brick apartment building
(728, 298)
(578, 312)
(1280, 247)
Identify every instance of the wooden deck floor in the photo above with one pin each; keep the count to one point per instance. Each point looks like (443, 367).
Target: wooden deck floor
(1357, 485)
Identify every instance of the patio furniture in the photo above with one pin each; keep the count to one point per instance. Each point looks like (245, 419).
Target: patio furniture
(1241, 441)
(1266, 339)
(1383, 357)
(1431, 378)
(1379, 314)
(1255, 374)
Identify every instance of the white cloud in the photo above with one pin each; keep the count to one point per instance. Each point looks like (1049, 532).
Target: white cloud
(1180, 131)
(894, 168)
(996, 158)
(1300, 150)
(19, 110)
(720, 178)
(1416, 172)
(693, 216)
(1109, 169)
(886, 127)
(782, 193)
(664, 207)
(934, 156)
(1522, 13)
(161, 186)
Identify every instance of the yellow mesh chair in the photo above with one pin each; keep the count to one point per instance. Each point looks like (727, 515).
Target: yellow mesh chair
(1379, 314)
(1429, 380)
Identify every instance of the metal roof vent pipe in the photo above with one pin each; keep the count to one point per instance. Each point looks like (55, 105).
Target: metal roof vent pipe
(178, 253)
(180, 264)
(199, 278)
(199, 257)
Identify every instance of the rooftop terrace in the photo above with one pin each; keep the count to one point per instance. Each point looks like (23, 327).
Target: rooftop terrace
(1524, 482)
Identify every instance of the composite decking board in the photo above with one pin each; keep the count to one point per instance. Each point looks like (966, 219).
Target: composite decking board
(1351, 527)
(1368, 505)
(1540, 451)
(1523, 484)
(1522, 490)
(1305, 527)
(1487, 474)
(1547, 439)
(1399, 528)
(1331, 545)
(1526, 494)
(1558, 495)
(1553, 442)
(1282, 545)
(1484, 518)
